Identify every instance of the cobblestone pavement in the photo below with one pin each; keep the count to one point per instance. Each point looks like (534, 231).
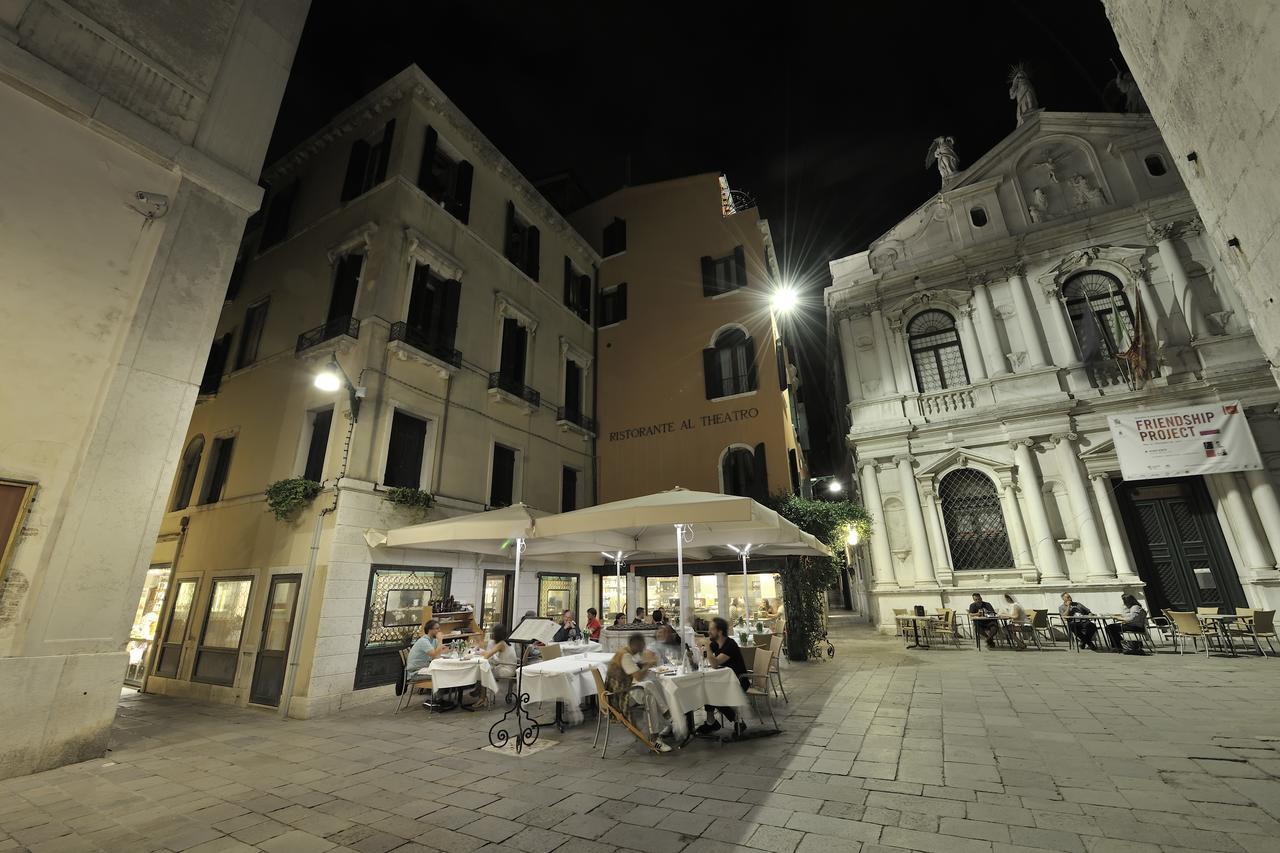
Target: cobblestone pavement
(883, 750)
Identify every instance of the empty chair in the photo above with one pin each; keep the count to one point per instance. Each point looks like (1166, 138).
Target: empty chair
(550, 651)
(1208, 611)
(1040, 626)
(946, 626)
(775, 670)
(759, 688)
(1187, 625)
(1257, 625)
(609, 712)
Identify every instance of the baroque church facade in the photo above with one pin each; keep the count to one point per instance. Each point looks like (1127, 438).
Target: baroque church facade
(983, 342)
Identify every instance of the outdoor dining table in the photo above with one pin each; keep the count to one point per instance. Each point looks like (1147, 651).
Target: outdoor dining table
(927, 620)
(567, 681)
(454, 673)
(579, 647)
(686, 691)
(1072, 640)
(1219, 622)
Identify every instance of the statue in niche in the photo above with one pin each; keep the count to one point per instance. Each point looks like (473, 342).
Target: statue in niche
(1051, 165)
(1022, 93)
(943, 151)
(1085, 194)
(1127, 87)
(1038, 210)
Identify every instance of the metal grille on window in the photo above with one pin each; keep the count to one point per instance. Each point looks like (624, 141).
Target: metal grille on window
(1100, 314)
(396, 599)
(935, 351)
(975, 521)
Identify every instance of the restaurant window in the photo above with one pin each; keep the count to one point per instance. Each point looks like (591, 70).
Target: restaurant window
(318, 425)
(704, 597)
(275, 227)
(145, 620)
(613, 598)
(215, 482)
(445, 177)
(219, 647)
(974, 520)
(211, 381)
(393, 617)
(556, 594)
(502, 480)
(367, 163)
(613, 305)
(615, 237)
(935, 351)
(406, 448)
(1100, 314)
(743, 472)
(577, 291)
(722, 275)
(175, 633)
(255, 320)
(662, 594)
(729, 364)
(568, 489)
(522, 243)
(433, 310)
(762, 591)
(187, 473)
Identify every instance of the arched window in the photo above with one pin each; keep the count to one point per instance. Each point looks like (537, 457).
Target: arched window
(743, 473)
(1100, 314)
(729, 364)
(935, 351)
(187, 473)
(975, 521)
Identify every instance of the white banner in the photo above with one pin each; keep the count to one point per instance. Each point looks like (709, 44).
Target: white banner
(1212, 438)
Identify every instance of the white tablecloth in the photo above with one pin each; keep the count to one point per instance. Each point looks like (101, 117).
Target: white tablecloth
(448, 672)
(571, 648)
(692, 690)
(565, 679)
(616, 640)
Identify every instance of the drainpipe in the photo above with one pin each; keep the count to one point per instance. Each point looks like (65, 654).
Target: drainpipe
(595, 387)
(436, 473)
(173, 571)
(304, 601)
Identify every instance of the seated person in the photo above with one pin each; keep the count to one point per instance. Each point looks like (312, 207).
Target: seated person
(620, 621)
(1084, 630)
(569, 629)
(1019, 624)
(424, 651)
(668, 646)
(1134, 618)
(981, 613)
(642, 617)
(625, 680)
(659, 618)
(500, 653)
(724, 653)
(593, 623)
(766, 607)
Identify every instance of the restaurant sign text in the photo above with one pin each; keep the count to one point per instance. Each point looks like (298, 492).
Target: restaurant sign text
(718, 419)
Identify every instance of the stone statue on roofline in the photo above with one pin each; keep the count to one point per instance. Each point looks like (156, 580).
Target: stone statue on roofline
(943, 151)
(1022, 93)
(1127, 88)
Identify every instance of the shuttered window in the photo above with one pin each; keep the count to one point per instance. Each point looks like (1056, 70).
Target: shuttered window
(275, 228)
(367, 163)
(615, 237)
(215, 482)
(523, 245)
(317, 445)
(613, 305)
(255, 320)
(405, 451)
(722, 275)
(433, 308)
(444, 178)
(503, 480)
(729, 366)
(216, 365)
(577, 291)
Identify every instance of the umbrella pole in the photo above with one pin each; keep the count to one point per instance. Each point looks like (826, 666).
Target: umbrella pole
(746, 591)
(684, 623)
(622, 598)
(515, 592)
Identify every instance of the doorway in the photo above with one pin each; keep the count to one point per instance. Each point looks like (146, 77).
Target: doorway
(1182, 556)
(143, 632)
(496, 607)
(277, 628)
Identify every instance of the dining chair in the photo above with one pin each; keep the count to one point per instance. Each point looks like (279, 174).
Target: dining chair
(609, 712)
(412, 683)
(946, 626)
(1187, 624)
(760, 684)
(1040, 625)
(551, 651)
(1208, 611)
(902, 619)
(775, 668)
(1257, 625)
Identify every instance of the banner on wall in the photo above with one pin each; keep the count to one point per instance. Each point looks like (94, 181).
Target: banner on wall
(1212, 438)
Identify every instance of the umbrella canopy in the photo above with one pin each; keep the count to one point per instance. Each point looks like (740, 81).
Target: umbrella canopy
(490, 532)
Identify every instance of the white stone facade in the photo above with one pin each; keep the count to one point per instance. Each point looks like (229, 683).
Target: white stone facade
(965, 346)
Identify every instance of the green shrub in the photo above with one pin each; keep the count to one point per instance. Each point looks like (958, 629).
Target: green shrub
(410, 498)
(286, 497)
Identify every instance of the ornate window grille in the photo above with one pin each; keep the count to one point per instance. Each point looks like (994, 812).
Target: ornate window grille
(935, 351)
(975, 521)
(1100, 314)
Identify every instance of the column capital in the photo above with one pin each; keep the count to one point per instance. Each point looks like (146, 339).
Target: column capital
(965, 312)
(1194, 226)
(895, 323)
(904, 457)
(1160, 231)
(1052, 289)
(1100, 475)
(978, 279)
(870, 462)
(1021, 442)
(1061, 437)
(1014, 269)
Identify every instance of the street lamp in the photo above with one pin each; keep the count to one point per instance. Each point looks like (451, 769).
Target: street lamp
(852, 538)
(784, 299)
(332, 378)
(835, 487)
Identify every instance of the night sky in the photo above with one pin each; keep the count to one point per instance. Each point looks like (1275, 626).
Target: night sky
(821, 111)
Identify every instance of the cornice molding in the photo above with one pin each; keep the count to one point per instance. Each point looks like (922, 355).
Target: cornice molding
(423, 249)
(508, 307)
(359, 237)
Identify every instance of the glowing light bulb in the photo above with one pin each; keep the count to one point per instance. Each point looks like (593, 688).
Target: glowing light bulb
(327, 380)
(784, 299)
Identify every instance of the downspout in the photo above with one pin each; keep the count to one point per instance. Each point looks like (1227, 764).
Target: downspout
(444, 431)
(595, 386)
(183, 523)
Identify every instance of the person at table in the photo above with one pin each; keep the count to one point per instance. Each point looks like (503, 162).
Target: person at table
(426, 649)
(594, 625)
(625, 680)
(1019, 624)
(568, 630)
(982, 614)
(500, 653)
(1084, 630)
(1134, 618)
(620, 620)
(766, 607)
(659, 618)
(668, 646)
(725, 654)
(642, 617)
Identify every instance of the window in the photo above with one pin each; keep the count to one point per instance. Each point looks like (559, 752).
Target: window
(187, 473)
(319, 424)
(237, 278)
(346, 284)
(445, 179)
(433, 311)
(974, 521)
(615, 237)
(748, 599)
(223, 629)
(572, 390)
(515, 343)
(393, 613)
(251, 335)
(793, 468)
(744, 473)
(781, 352)
(613, 305)
(175, 634)
(1155, 165)
(502, 480)
(577, 291)
(722, 275)
(978, 216)
(1100, 315)
(215, 480)
(367, 163)
(729, 366)
(216, 365)
(275, 228)
(935, 351)
(613, 597)
(568, 489)
(522, 247)
(405, 451)
(556, 594)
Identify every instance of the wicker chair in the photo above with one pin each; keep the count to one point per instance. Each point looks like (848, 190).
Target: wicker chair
(946, 626)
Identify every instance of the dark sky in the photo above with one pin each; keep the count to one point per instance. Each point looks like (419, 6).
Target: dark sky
(822, 111)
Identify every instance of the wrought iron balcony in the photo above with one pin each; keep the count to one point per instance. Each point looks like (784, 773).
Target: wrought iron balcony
(415, 338)
(515, 387)
(335, 328)
(576, 418)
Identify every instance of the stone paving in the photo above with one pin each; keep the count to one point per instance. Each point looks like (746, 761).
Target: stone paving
(884, 750)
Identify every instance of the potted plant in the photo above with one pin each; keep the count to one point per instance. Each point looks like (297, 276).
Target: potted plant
(410, 498)
(286, 497)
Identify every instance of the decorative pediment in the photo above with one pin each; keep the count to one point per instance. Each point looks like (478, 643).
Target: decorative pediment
(962, 458)
(1102, 448)
(930, 298)
(359, 239)
(423, 250)
(1128, 262)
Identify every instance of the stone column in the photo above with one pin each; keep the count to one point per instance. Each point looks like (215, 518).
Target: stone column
(1048, 555)
(901, 356)
(1022, 557)
(920, 554)
(1099, 565)
(937, 535)
(1248, 539)
(1121, 558)
(888, 382)
(881, 558)
(1016, 274)
(1263, 491)
(969, 345)
(849, 357)
(1162, 236)
(1067, 356)
(988, 337)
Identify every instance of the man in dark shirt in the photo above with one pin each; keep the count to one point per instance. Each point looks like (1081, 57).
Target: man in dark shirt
(982, 615)
(724, 653)
(568, 630)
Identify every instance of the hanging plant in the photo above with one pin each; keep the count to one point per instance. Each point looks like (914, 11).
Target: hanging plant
(410, 498)
(286, 497)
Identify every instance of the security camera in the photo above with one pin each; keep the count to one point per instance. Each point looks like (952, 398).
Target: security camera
(151, 205)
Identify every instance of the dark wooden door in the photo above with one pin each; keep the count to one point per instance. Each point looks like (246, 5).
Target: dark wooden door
(273, 651)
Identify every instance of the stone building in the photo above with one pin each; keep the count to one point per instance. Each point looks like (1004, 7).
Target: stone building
(133, 139)
(984, 340)
(399, 243)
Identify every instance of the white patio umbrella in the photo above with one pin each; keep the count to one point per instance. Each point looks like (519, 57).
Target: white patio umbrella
(804, 545)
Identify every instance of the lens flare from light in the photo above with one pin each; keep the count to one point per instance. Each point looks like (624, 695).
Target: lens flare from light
(327, 380)
(784, 299)
(835, 487)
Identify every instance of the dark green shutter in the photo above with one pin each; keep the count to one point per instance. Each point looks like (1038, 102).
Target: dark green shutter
(740, 267)
(782, 366)
(711, 372)
(569, 293)
(708, 276)
(752, 380)
(532, 251)
(511, 248)
(620, 313)
(426, 182)
(384, 151)
(584, 298)
(353, 184)
(461, 204)
(761, 479)
(449, 313)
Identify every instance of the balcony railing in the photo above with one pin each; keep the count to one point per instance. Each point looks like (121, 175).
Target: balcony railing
(335, 328)
(576, 418)
(515, 387)
(415, 338)
(947, 402)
